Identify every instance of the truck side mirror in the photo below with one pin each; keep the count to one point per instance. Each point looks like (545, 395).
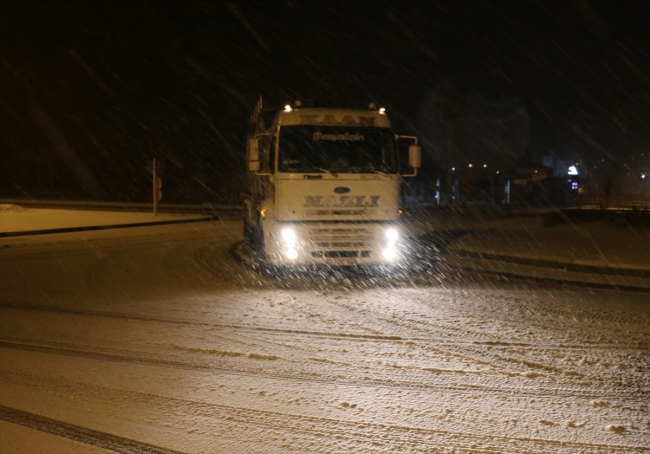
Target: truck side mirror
(254, 149)
(415, 156)
(254, 154)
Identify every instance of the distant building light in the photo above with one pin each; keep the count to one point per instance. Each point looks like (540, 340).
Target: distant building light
(574, 185)
(453, 168)
(643, 176)
(497, 172)
(485, 166)
(471, 165)
(572, 171)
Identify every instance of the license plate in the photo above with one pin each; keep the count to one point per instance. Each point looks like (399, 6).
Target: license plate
(342, 262)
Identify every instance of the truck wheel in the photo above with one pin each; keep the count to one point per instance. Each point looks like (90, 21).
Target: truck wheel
(249, 225)
(247, 231)
(257, 241)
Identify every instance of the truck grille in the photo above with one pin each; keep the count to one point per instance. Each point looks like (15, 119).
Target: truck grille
(340, 242)
(340, 254)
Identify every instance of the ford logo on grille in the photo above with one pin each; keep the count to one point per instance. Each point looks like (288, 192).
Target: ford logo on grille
(341, 190)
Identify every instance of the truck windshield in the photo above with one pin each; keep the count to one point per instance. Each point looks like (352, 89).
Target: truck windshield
(336, 149)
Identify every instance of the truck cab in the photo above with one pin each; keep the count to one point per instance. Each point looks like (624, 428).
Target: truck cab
(324, 188)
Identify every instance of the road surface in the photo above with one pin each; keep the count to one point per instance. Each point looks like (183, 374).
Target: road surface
(156, 340)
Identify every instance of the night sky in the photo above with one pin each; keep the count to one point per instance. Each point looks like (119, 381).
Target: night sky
(90, 90)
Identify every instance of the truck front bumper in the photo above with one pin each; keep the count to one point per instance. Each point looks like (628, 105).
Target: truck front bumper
(334, 244)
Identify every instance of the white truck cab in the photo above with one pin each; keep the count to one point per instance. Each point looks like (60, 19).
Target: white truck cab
(324, 187)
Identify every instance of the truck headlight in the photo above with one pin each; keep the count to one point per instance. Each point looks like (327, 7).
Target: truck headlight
(390, 253)
(392, 235)
(292, 254)
(289, 237)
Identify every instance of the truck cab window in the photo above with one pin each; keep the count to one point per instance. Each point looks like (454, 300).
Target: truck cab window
(336, 149)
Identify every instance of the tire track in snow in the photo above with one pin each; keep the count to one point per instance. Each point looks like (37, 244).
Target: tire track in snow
(468, 351)
(355, 432)
(489, 353)
(80, 434)
(324, 334)
(439, 385)
(146, 318)
(354, 435)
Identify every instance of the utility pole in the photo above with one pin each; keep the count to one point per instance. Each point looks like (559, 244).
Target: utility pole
(157, 169)
(155, 189)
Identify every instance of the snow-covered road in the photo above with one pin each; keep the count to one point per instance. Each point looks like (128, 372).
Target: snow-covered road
(155, 339)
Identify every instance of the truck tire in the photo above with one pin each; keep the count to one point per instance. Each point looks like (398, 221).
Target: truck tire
(257, 241)
(247, 230)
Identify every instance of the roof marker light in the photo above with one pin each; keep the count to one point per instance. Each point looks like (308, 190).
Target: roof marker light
(287, 108)
(382, 110)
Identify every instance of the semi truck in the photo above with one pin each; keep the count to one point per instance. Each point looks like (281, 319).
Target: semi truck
(324, 186)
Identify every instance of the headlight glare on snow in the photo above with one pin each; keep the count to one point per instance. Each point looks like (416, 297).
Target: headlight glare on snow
(292, 254)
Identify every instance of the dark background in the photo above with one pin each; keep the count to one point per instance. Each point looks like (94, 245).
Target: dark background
(90, 91)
